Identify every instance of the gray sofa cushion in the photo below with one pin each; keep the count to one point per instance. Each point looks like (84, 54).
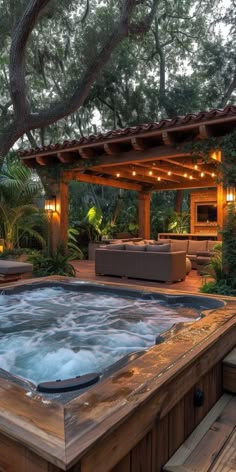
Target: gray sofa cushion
(115, 247)
(14, 267)
(158, 247)
(211, 245)
(135, 247)
(179, 245)
(197, 246)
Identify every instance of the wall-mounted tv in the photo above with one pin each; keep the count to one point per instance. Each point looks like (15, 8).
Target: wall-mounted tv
(206, 213)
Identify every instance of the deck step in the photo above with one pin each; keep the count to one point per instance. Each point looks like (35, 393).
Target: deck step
(229, 372)
(212, 445)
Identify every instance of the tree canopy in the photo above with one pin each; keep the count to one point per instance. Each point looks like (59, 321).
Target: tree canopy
(52, 54)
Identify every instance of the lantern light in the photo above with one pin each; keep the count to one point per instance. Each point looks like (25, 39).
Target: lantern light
(1, 245)
(230, 194)
(50, 203)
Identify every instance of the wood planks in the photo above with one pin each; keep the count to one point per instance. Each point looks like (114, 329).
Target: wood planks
(229, 372)
(212, 445)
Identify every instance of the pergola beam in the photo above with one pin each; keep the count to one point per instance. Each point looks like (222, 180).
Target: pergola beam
(131, 157)
(95, 179)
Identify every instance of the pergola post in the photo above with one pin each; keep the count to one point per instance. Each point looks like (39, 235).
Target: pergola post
(59, 221)
(144, 199)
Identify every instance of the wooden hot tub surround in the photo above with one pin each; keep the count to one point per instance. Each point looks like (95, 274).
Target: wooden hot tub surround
(132, 421)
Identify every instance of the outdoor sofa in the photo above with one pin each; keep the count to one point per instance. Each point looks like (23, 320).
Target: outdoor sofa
(198, 252)
(142, 261)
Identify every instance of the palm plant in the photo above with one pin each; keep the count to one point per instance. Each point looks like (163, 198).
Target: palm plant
(19, 187)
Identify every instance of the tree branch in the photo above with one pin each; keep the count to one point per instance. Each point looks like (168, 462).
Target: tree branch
(122, 30)
(17, 56)
(229, 92)
(24, 120)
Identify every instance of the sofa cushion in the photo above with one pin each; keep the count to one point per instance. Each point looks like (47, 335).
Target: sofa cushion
(163, 241)
(115, 247)
(158, 247)
(179, 245)
(116, 241)
(135, 247)
(211, 245)
(13, 267)
(196, 246)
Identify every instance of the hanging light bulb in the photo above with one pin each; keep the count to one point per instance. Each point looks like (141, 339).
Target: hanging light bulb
(118, 174)
(202, 174)
(185, 175)
(190, 177)
(133, 173)
(213, 174)
(150, 172)
(158, 178)
(196, 167)
(169, 173)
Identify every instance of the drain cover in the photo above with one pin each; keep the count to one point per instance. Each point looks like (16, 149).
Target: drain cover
(68, 385)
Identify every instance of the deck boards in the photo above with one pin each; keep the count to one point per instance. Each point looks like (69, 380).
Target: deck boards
(212, 445)
(85, 271)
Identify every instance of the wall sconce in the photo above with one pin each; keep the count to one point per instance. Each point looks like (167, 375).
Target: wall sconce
(230, 194)
(215, 155)
(1, 245)
(50, 203)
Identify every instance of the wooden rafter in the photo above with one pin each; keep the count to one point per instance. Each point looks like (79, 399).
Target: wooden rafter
(191, 167)
(95, 179)
(165, 169)
(124, 173)
(142, 172)
(131, 157)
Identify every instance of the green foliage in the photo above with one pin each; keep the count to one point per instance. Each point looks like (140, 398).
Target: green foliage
(72, 246)
(222, 287)
(229, 244)
(15, 253)
(96, 226)
(179, 222)
(52, 264)
(19, 187)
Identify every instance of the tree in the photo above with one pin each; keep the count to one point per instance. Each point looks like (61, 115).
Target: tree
(133, 18)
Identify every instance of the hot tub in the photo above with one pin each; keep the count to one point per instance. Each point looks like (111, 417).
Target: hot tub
(121, 422)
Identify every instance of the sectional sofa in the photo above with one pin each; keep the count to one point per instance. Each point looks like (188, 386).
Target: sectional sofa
(143, 261)
(163, 260)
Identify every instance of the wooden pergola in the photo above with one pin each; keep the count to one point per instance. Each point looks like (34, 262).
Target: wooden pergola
(146, 158)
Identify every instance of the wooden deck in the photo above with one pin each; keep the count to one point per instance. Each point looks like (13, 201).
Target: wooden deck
(85, 271)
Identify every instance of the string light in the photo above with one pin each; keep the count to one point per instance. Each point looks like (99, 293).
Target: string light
(185, 175)
(169, 173)
(202, 174)
(133, 173)
(213, 174)
(150, 172)
(190, 177)
(195, 167)
(118, 174)
(158, 178)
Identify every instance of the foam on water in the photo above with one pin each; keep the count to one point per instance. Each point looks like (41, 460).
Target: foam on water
(51, 333)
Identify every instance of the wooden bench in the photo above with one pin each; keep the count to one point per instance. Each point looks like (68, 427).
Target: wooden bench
(11, 271)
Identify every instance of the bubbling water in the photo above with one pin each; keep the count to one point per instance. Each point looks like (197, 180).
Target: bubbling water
(52, 333)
